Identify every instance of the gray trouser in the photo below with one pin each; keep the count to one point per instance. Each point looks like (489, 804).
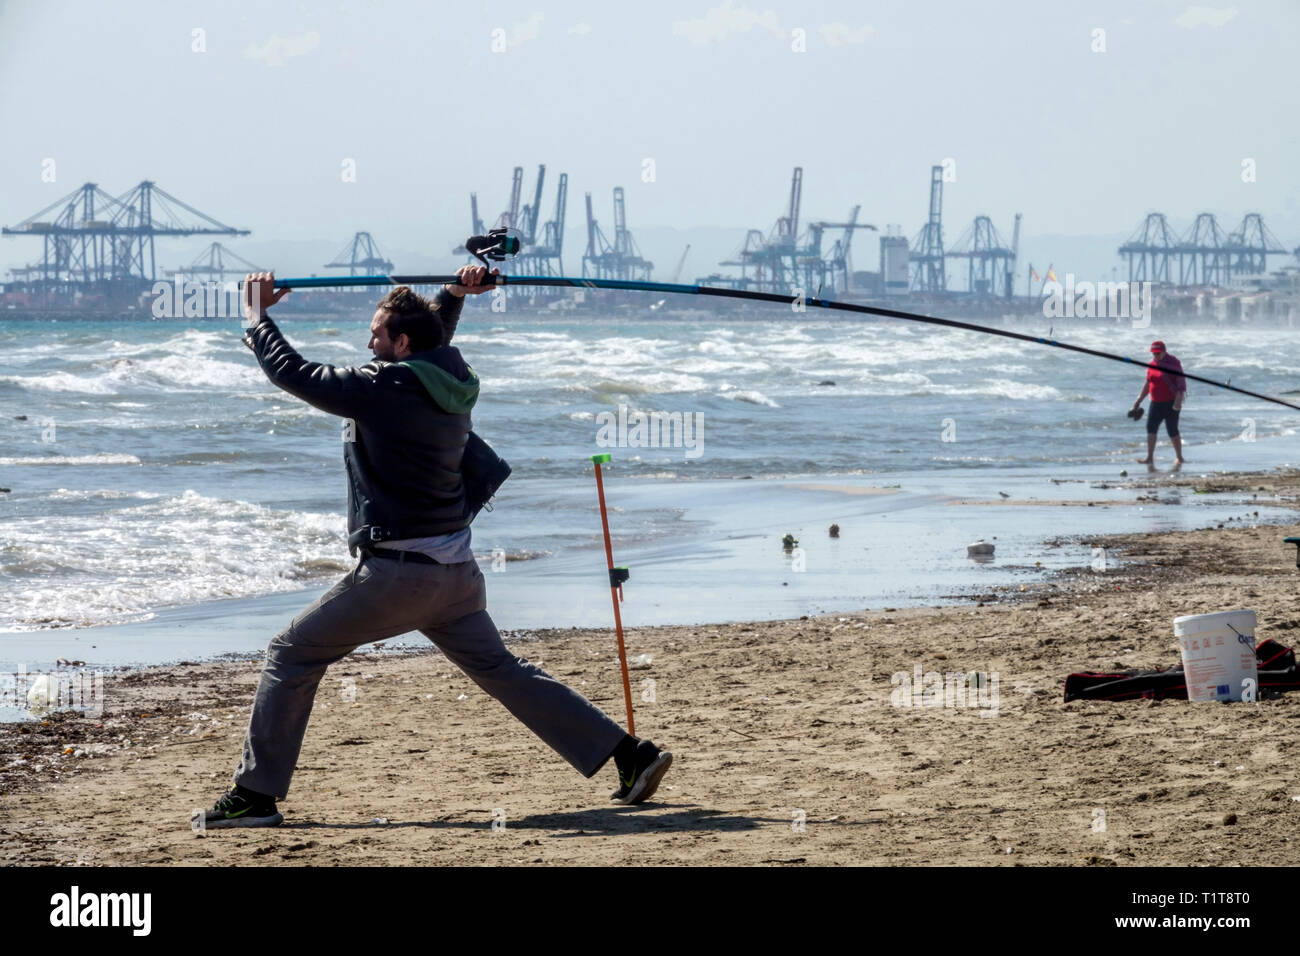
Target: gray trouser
(382, 598)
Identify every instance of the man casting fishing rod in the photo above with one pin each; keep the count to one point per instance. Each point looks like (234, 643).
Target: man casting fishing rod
(1167, 392)
(409, 421)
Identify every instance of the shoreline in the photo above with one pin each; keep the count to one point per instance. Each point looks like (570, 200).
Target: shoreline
(715, 555)
(772, 722)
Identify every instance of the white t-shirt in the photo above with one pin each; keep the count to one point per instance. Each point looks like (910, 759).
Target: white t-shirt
(444, 548)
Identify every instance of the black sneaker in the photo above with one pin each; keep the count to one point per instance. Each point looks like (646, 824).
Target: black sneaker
(242, 808)
(640, 782)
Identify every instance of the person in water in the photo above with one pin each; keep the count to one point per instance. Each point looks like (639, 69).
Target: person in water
(1167, 392)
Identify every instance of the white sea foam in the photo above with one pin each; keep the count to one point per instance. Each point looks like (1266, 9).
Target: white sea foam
(998, 388)
(99, 458)
(188, 342)
(1207, 363)
(748, 395)
(65, 571)
(1005, 388)
(724, 347)
(699, 365)
(119, 374)
(76, 494)
(899, 378)
(189, 371)
(63, 382)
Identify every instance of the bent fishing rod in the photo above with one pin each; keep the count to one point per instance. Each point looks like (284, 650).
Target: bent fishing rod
(497, 246)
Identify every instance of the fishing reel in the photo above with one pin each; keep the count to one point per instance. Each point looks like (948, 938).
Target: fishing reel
(496, 245)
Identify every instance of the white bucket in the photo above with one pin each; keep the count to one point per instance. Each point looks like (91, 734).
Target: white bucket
(1218, 655)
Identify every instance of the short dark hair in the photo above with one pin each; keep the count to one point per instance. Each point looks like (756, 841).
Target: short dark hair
(412, 315)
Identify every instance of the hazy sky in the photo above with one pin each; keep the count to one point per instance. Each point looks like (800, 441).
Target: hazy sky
(256, 129)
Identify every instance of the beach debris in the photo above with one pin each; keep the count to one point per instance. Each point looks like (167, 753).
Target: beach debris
(463, 697)
(835, 530)
(1171, 683)
(43, 694)
(789, 542)
(980, 549)
(1229, 819)
(640, 662)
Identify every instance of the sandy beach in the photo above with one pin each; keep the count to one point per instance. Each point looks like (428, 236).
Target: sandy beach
(789, 747)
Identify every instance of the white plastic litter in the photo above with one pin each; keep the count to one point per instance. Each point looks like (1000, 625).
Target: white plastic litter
(43, 695)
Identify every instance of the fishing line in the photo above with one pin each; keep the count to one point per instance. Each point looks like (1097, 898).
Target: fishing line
(496, 246)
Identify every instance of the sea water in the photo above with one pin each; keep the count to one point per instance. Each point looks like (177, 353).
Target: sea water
(153, 469)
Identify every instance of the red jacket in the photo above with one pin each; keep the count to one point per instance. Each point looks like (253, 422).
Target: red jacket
(1165, 388)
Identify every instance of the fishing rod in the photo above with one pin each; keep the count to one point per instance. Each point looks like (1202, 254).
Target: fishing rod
(497, 245)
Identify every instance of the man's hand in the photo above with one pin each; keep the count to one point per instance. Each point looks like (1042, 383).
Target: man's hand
(260, 295)
(471, 281)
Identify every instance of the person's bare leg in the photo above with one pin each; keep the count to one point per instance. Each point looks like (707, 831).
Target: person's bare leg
(1178, 447)
(1151, 450)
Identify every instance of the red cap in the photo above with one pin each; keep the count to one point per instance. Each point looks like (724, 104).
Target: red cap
(1157, 346)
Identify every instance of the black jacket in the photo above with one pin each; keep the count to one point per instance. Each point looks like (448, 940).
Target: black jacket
(409, 424)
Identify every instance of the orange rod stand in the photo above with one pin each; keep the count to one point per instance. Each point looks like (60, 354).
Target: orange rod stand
(615, 593)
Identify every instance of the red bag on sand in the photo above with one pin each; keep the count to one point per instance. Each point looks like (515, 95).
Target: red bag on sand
(1277, 672)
